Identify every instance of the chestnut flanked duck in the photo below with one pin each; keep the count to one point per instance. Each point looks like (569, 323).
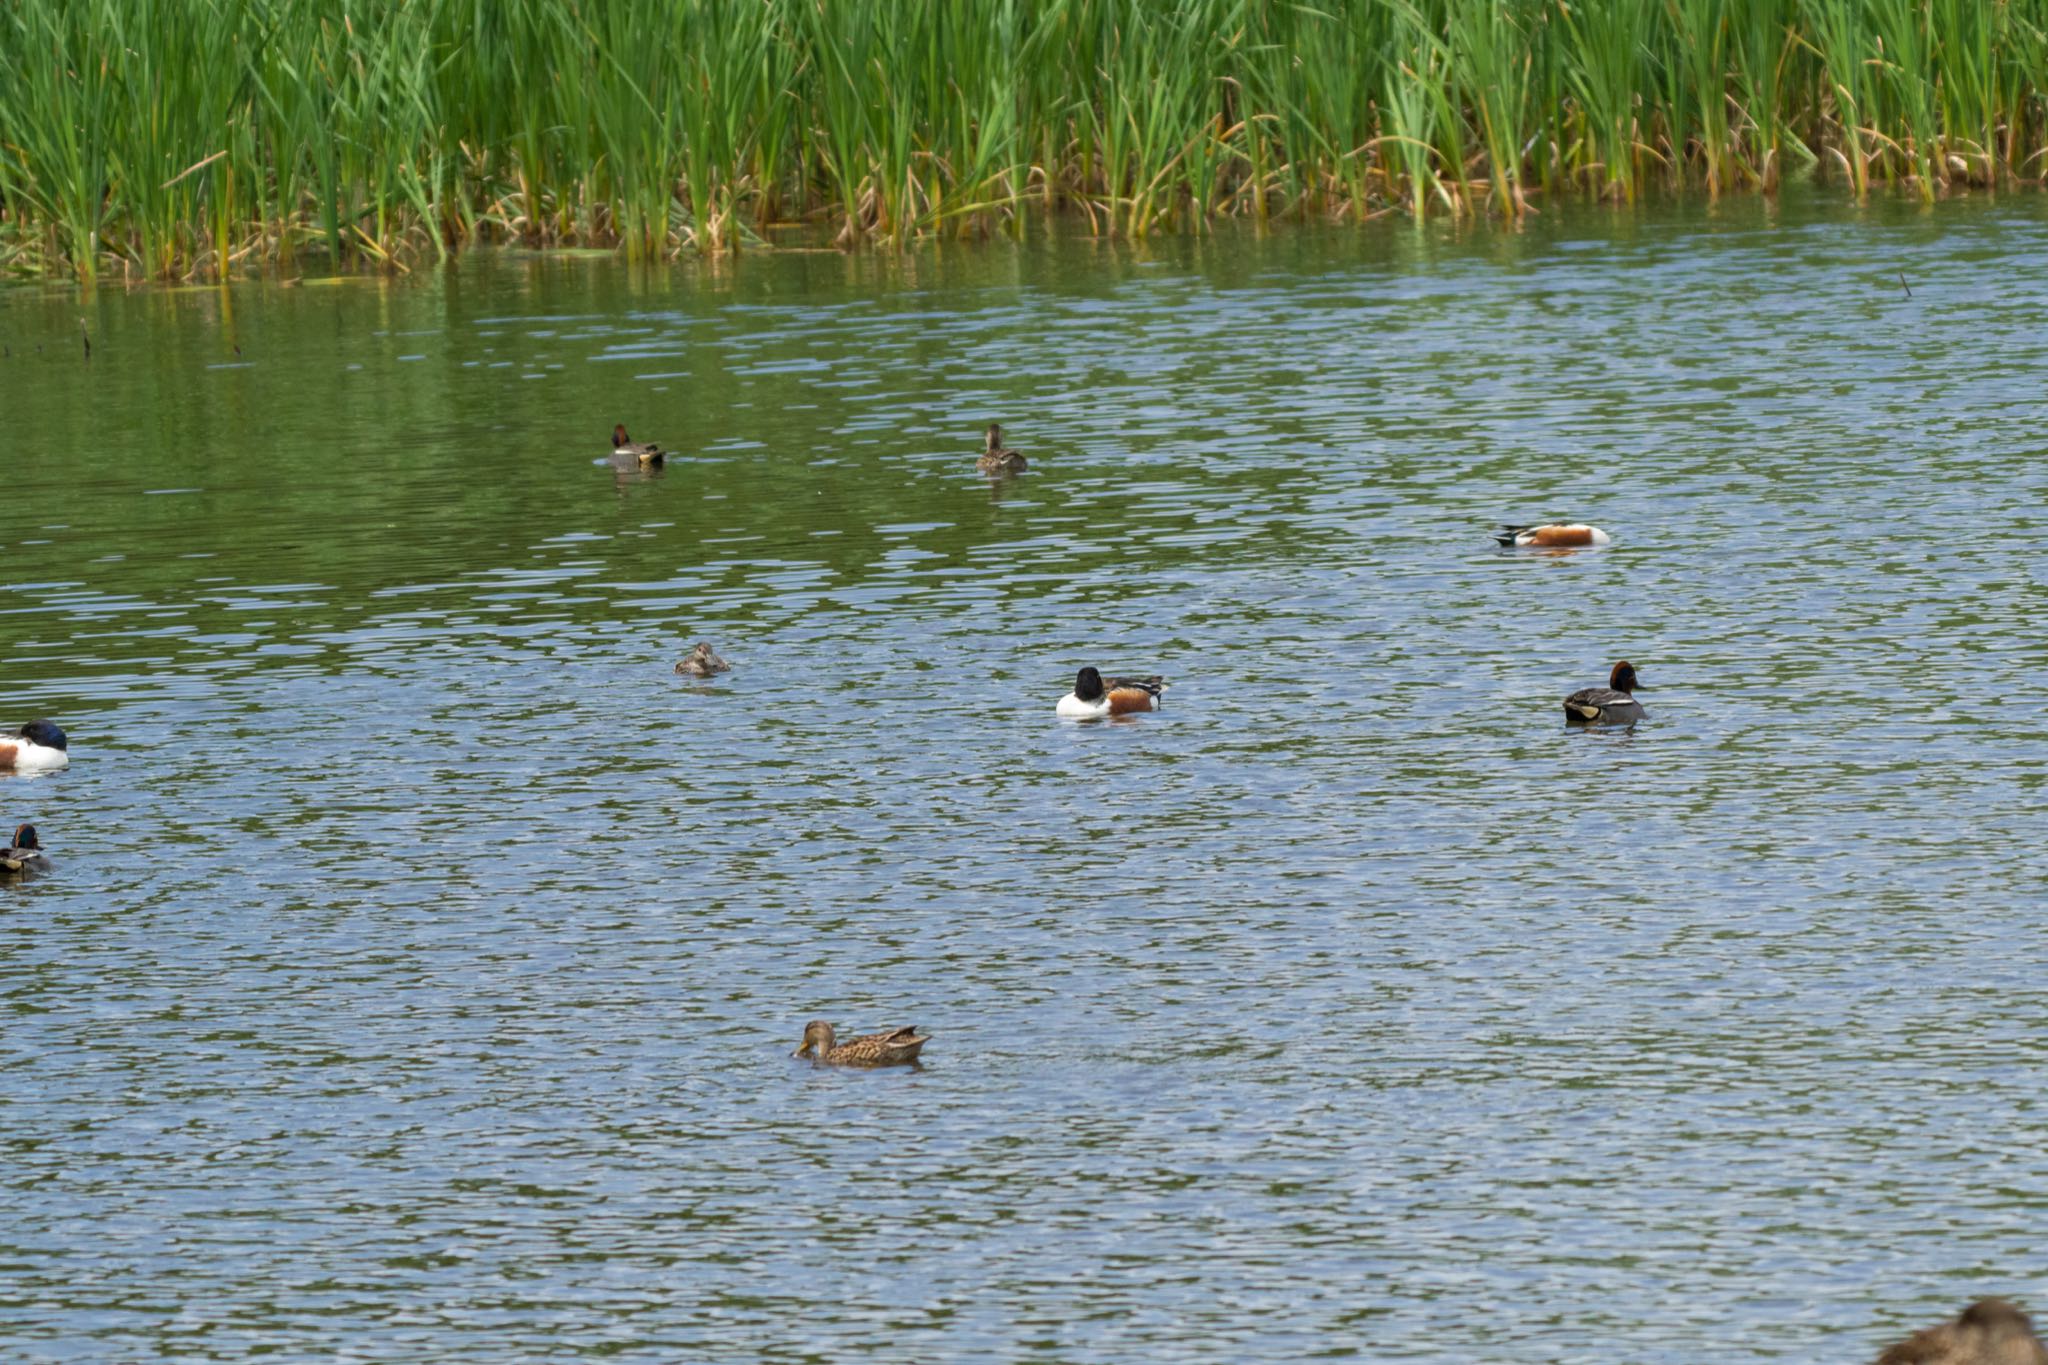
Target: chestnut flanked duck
(1988, 1332)
(995, 457)
(24, 852)
(35, 746)
(701, 663)
(625, 448)
(891, 1047)
(1551, 535)
(1095, 696)
(1613, 704)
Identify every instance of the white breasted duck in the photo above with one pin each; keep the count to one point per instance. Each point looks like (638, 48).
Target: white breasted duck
(995, 457)
(24, 852)
(1613, 704)
(1095, 696)
(701, 663)
(36, 745)
(625, 448)
(1552, 535)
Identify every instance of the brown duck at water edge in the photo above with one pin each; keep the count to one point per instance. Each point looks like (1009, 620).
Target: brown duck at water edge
(1988, 1332)
(892, 1047)
(995, 458)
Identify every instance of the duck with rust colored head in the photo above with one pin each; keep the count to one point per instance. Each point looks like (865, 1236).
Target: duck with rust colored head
(891, 1047)
(627, 450)
(35, 746)
(1613, 704)
(24, 853)
(1988, 1332)
(1095, 696)
(995, 458)
(701, 663)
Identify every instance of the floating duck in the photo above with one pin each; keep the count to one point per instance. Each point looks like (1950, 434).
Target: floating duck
(701, 663)
(1095, 695)
(36, 745)
(625, 448)
(1554, 535)
(892, 1047)
(1609, 705)
(995, 459)
(1988, 1332)
(24, 853)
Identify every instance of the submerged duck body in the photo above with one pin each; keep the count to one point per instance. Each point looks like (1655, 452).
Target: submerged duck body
(1095, 696)
(624, 448)
(1988, 1332)
(1552, 535)
(701, 663)
(24, 853)
(38, 745)
(996, 458)
(891, 1047)
(1613, 704)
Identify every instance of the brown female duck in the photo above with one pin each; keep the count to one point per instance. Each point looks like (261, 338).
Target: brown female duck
(1988, 1332)
(995, 458)
(892, 1047)
(701, 663)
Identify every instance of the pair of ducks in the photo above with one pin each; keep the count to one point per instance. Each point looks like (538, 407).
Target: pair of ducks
(995, 457)
(1614, 704)
(1095, 697)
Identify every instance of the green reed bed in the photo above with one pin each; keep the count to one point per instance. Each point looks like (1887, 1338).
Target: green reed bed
(199, 138)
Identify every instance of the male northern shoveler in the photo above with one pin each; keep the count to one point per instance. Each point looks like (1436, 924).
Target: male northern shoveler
(1095, 695)
(995, 458)
(1988, 1332)
(1609, 705)
(24, 853)
(891, 1047)
(1554, 535)
(701, 663)
(38, 744)
(625, 448)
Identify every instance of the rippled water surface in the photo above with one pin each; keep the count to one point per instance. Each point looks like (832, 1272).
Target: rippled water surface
(423, 958)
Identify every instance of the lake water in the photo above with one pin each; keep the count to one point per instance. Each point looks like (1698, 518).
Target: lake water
(423, 959)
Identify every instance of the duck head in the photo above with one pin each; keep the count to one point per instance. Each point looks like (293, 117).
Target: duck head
(994, 436)
(1088, 684)
(25, 838)
(45, 733)
(1623, 679)
(619, 436)
(817, 1039)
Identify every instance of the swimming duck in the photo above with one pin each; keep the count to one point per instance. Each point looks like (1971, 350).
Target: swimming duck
(625, 448)
(1554, 535)
(1095, 695)
(892, 1047)
(38, 744)
(701, 662)
(997, 460)
(24, 853)
(1609, 705)
(1988, 1332)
